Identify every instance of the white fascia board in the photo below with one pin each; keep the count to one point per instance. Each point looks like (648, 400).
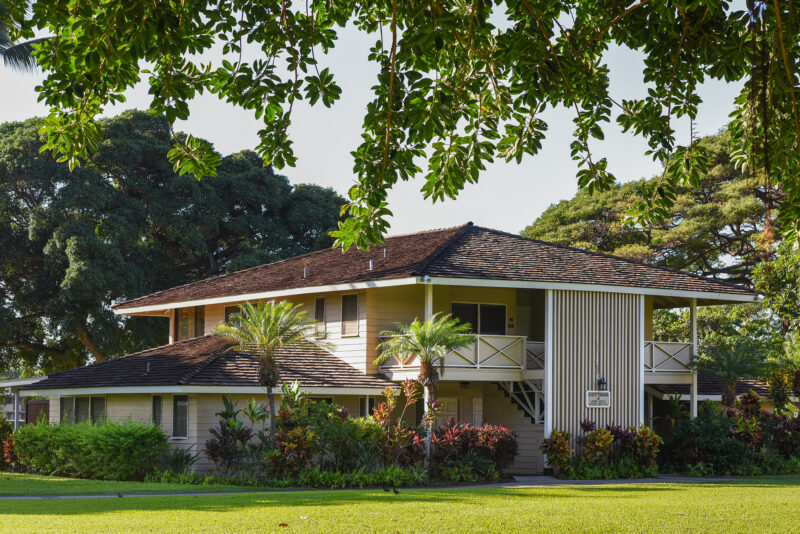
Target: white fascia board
(20, 381)
(224, 390)
(521, 284)
(268, 295)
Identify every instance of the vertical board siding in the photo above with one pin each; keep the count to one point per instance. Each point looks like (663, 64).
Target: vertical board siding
(595, 333)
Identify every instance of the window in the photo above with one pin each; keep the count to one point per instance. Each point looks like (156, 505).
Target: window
(319, 316)
(67, 409)
(82, 409)
(189, 323)
(180, 416)
(365, 406)
(157, 410)
(230, 310)
(98, 412)
(350, 315)
(488, 319)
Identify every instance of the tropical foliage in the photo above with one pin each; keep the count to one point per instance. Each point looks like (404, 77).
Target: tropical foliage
(124, 225)
(262, 329)
(460, 83)
(428, 342)
(732, 362)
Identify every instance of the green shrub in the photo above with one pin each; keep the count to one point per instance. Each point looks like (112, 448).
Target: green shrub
(597, 445)
(708, 439)
(558, 450)
(390, 476)
(646, 445)
(177, 460)
(6, 433)
(107, 451)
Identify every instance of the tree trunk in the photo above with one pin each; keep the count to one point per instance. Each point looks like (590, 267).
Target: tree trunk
(426, 398)
(729, 394)
(271, 400)
(89, 343)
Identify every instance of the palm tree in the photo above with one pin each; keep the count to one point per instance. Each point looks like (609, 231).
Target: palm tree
(16, 55)
(783, 372)
(429, 342)
(743, 360)
(262, 330)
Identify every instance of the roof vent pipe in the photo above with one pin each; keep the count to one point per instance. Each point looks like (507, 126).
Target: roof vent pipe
(371, 264)
(148, 368)
(305, 272)
(384, 252)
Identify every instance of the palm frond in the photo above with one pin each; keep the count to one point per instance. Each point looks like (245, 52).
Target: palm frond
(429, 341)
(19, 56)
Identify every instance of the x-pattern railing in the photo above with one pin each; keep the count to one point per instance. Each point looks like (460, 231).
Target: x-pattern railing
(488, 352)
(667, 357)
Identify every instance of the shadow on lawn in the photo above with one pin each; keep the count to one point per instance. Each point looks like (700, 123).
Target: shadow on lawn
(310, 499)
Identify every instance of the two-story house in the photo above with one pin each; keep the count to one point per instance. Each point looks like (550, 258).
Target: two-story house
(562, 335)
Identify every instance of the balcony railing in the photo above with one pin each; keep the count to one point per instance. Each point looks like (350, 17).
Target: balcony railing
(667, 357)
(488, 352)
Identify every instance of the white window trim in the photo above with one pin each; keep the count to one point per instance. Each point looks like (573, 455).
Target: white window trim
(172, 430)
(74, 407)
(481, 303)
(161, 415)
(358, 321)
(321, 327)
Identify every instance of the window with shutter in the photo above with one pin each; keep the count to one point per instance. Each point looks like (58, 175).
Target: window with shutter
(349, 315)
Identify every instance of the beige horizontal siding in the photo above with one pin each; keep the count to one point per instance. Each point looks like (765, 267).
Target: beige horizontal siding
(499, 409)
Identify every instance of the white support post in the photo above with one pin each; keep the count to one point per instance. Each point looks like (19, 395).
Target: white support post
(548, 363)
(642, 304)
(428, 301)
(16, 409)
(693, 320)
(428, 315)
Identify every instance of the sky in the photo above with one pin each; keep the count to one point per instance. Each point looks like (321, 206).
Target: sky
(508, 197)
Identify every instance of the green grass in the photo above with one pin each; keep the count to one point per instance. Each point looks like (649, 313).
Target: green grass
(20, 484)
(740, 506)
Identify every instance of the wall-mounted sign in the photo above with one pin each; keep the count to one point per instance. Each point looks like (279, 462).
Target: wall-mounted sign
(598, 399)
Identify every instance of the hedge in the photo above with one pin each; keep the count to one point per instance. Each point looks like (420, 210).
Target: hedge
(105, 451)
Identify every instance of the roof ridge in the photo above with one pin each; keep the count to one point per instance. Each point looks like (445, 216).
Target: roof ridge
(433, 256)
(263, 265)
(197, 369)
(611, 256)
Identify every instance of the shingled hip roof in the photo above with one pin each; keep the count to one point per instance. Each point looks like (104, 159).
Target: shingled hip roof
(207, 361)
(463, 252)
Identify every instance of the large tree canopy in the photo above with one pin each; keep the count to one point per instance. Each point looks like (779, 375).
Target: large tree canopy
(460, 83)
(124, 224)
(714, 228)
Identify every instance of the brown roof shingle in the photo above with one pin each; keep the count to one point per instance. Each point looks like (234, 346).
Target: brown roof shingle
(465, 251)
(709, 384)
(206, 361)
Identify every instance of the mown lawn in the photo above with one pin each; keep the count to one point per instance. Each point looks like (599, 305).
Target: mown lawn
(19, 484)
(751, 506)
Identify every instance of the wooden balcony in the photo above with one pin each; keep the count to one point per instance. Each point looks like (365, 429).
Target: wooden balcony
(667, 362)
(490, 358)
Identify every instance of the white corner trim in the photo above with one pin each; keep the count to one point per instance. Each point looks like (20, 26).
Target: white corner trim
(477, 282)
(548, 363)
(234, 390)
(642, 316)
(266, 295)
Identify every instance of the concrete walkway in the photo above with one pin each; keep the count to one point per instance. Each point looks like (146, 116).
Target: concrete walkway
(519, 482)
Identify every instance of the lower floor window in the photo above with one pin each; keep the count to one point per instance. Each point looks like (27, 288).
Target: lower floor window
(180, 416)
(82, 409)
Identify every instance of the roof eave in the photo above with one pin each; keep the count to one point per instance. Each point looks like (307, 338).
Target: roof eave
(121, 309)
(234, 390)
